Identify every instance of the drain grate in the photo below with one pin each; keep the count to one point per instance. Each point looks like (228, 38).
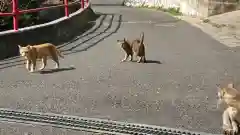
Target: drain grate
(89, 124)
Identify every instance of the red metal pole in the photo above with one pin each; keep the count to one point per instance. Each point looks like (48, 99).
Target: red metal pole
(66, 8)
(15, 14)
(82, 3)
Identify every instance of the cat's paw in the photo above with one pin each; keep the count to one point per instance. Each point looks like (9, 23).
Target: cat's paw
(41, 68)
(130, 60)
(230, 132)
(123, 60)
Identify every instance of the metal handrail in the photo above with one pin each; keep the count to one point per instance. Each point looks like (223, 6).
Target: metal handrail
(16, 12)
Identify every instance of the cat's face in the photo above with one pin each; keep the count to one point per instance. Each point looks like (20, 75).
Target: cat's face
(120, 42)
(123, 43)
(226, 94)
(24, 51)
(220, 95)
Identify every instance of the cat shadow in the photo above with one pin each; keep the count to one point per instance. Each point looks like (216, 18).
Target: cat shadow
(151, 61)
(49, 71)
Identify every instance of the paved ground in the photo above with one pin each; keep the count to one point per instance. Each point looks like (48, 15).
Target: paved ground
(19, 129)
(178, 93)
(225, 28)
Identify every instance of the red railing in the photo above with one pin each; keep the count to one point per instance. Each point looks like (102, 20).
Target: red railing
(16, 12)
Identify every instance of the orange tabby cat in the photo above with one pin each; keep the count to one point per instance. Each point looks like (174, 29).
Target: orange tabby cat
(41, 51)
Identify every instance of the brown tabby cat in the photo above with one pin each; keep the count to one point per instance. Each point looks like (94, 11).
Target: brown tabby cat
(231, 115)
(136, 46)
(42, 51)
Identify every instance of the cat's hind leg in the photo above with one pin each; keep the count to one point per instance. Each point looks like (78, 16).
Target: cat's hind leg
(44, 62)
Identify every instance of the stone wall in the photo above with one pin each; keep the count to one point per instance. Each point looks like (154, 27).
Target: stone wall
(222, 6)
(202, 8)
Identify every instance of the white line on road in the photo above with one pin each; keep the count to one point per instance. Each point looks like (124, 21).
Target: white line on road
(151, 22)
(145, 22)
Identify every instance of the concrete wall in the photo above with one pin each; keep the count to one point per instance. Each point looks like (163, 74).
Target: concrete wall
(57, 32)
(194, 7)
(201, 8)
(222, 6)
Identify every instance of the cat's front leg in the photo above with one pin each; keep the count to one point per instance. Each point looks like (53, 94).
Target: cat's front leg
(125, 58)
(230, 125)
(33, 66)
(28, 64)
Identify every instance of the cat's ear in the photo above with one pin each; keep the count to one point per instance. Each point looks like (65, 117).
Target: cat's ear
(230, 85)
(28, 46)
(124, 39)
(19, 46)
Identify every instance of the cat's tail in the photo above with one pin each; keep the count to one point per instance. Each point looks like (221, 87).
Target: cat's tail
(142, 38)
(59, 53)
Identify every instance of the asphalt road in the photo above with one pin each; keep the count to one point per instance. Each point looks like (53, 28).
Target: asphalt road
(179, 93)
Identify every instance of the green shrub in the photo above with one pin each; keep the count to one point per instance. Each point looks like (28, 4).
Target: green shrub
(24, 20)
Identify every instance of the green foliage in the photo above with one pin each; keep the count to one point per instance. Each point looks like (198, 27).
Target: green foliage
(28, 19)
(173, 11)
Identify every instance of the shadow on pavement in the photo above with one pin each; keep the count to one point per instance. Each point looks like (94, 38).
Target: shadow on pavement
(97, 26)
(12, 65)
(154, 61)
(49, 71)
(151, 61)
(106, 32)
